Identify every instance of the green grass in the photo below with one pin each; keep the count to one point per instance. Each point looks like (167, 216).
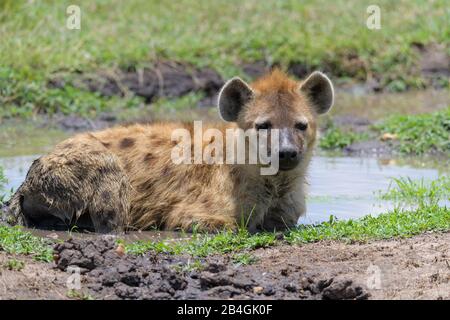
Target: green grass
(15, 240)
(396, 223)
(78, 295)
(416, 134)
(419, 134)
(36, 44)
(336, 138)
(14, 264)
(202, 245)
(421, 192)
(2, 185)
(244, 258)
(172, 105)
(22, 97)
(2, 178)
(195, 265)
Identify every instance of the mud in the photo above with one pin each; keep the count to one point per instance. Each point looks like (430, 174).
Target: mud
(414, 268)
(158, 276)
(434, 60)
(163, 79)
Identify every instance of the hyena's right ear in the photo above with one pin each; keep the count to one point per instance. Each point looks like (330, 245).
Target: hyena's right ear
(233, 96)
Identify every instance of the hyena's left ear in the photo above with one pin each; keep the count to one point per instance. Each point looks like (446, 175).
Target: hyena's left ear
(235, 94)
(319, 89)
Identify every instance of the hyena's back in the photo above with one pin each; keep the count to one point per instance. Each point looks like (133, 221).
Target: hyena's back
(124, 177)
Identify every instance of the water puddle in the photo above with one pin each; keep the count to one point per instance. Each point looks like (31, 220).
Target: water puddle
(345, 187)
(349, 187)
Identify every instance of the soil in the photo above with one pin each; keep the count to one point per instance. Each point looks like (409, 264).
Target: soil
(173, 79)
(434, 60)
(163, 79)
(414, 268)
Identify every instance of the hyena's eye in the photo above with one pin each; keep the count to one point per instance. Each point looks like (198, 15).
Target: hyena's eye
(266, 125)
(302, 126)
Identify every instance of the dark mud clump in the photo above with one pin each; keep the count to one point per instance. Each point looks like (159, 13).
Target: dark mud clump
(163, 79)
(108, 273)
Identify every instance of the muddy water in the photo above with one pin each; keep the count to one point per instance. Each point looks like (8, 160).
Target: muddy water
(345, 187)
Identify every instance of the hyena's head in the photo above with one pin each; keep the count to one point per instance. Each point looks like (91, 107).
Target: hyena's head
(278, 102)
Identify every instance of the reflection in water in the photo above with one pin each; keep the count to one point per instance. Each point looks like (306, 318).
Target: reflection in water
(348, 187)
(345, 187)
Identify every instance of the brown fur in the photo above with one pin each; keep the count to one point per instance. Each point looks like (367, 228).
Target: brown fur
(124, 177)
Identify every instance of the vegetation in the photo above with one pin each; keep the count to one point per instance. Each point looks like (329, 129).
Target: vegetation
(2, 183)
(244, 258)
(396, 223)
(22, 97)
(14, 264)
(78, 295)
(420, 133)
(2, 178)
(416, 134)
(15, 240)
(132, 34)
(421, 192)
(337, 138)
(202, 245)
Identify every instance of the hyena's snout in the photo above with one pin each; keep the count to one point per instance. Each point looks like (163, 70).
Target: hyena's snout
(290, 149)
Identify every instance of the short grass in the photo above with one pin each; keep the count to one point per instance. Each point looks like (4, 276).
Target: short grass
(244, 258)
(14, 264)
(202, 245)
(24, 97)
(221, 34)
(419, 134)
(420, 192)
(78, 295)
(336, 138)
(15, 240)
(2, 185)
(396, 223)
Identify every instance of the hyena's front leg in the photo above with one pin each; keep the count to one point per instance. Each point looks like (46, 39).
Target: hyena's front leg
(79, 184)
(285, 214)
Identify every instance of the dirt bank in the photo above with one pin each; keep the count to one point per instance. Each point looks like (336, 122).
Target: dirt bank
(171, 79)
(167, 79)
(416, 268)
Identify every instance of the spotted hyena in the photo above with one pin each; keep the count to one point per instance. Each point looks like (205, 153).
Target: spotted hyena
(124, 177)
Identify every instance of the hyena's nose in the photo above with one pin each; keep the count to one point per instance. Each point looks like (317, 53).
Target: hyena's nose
(289, 158)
